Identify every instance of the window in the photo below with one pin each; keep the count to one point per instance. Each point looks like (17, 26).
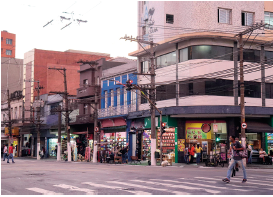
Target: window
(268, 18)
(11, 113)
(247, 18)
(224, 16)
(184, 54)
(8, 41)
(125, 96)
(169, 18)
(145, 67)
(4, 118)
(250, 55)
(217, 86)
(252, 89)
(8, 52)
(165, 92)
(268, 55)
(85, 82)
(112, 98)
(15, 113)
(143, 99)
(210, 52)
(133, 98)
(85, 109)
(53, 106)
(98, 80)
(118, 96)
(106, 98)
(1, 38)
(269, 90)
(166, 60)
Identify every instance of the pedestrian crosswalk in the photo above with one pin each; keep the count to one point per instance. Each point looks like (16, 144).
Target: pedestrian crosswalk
(212, 185)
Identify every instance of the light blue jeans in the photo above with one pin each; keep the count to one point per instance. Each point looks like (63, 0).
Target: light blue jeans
(232, 164)
(10, 156)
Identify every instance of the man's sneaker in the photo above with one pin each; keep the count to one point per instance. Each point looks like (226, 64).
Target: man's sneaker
(7, 162)
(244, 180)
(226, 180)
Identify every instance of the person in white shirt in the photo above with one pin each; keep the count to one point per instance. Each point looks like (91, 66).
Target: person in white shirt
(5, 152)
(249, 148)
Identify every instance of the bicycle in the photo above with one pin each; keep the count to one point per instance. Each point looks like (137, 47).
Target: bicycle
(215, 160)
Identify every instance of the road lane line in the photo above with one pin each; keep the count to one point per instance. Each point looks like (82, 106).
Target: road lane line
(117, 188)
(73, 188)
(146, 187)
(43, 191)
(176, 186)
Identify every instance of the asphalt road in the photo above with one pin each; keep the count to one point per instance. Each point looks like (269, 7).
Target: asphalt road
(31, 177)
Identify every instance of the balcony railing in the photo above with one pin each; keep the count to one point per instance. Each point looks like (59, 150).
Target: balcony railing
(115, 111)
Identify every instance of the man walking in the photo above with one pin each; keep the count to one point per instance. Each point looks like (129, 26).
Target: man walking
(236, 148)
(5, 151)
(11, 153)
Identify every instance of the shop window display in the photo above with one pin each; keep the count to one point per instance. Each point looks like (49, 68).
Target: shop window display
(51, 147)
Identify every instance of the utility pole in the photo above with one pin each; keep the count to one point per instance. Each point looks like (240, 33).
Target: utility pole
(59, 134)
(10, 131)
(65, 93)
(262, 54)
(152, 93)
(242, 86)
(93, 64)
(38, 116)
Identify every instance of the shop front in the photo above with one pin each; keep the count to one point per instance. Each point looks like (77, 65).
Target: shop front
(210, 135)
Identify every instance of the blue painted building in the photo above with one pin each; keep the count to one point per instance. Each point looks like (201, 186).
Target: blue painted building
(117, 102)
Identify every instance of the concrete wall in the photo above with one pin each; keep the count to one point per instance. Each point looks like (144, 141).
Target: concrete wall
(11, 76)
(194, 15)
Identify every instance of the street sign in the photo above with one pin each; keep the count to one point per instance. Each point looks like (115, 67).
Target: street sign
(244, 125)
(215, 128)
(96, 129)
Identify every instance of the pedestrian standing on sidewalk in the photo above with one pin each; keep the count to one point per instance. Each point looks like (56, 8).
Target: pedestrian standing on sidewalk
(198, 152)
(192, 152)
(236, 148)
(11, 153)
(186, 154)
(249, 148)
(5, 151)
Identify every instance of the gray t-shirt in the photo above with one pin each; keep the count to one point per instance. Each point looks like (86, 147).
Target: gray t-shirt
(236, 155)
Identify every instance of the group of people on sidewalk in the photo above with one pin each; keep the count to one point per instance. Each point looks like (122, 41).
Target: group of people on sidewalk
(190, 151)
(8, 153)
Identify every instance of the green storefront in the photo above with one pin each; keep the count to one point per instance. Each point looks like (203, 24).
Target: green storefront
(269, 138)
(169, 139)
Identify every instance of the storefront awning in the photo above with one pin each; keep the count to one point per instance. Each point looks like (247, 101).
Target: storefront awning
(114, 129)
(258, 127)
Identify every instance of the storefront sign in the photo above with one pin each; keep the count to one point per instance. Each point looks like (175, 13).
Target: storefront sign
(181, 145)
(215, 128)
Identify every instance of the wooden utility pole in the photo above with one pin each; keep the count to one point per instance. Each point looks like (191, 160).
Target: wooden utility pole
(152, 93)
(263, 95)
(65, 93)
(59, 134)
(10, 131)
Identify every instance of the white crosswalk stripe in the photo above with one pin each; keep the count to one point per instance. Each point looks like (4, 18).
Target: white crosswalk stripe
(43, 191)
(177, 186)
(146, 187)
(201, 185)
(117, 188)
(73, 188)
(248, 180)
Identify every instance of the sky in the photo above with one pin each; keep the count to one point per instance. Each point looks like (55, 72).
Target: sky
(107, 22)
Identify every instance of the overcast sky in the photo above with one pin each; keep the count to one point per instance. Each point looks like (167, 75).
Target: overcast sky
(107, 22)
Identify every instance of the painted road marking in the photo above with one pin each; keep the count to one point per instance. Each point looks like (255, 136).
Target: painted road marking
(188, 187)
(73, 188)
(176, 186)
(43, 191)
(146, 187)
(118, 188)
(248, 182)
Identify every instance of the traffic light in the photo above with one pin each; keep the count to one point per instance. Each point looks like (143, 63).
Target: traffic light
(129, 84)
(163, 128)
(217, 137)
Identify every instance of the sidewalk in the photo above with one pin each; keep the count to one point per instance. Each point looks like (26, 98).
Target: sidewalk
(145, 163)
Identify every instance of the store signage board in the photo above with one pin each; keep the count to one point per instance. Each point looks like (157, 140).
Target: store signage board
(215, 128)
(244, 125)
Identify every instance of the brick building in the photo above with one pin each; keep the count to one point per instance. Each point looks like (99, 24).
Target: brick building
(8, 44)
(37, 62)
